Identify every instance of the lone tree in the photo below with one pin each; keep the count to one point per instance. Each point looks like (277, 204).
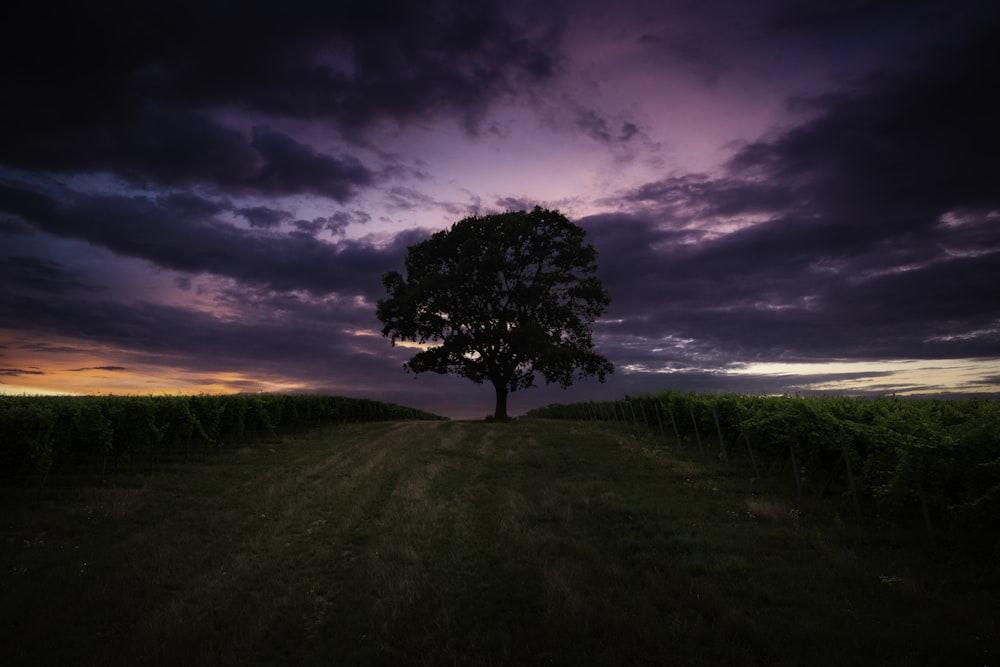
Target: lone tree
(508, 296)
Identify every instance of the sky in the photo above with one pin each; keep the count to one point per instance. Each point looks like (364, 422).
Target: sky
(786, 197)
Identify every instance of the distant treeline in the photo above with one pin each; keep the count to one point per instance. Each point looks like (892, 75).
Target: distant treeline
(939, 457)
(40, 434)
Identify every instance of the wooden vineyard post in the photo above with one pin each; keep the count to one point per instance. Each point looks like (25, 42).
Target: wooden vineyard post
(642, 411)
(850, 480)
(697, 436)
(722, 441)
(656, 409)
(753, 461)
(795, 471)
(635, 419)
(673, 422)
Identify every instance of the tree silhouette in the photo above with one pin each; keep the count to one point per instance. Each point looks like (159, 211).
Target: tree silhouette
(500, 298)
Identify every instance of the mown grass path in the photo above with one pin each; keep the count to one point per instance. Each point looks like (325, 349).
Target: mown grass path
(530, 542)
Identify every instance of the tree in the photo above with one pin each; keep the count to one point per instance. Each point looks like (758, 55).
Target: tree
(507, 297)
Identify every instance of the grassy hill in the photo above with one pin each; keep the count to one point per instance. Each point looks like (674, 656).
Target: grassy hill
(531, 542)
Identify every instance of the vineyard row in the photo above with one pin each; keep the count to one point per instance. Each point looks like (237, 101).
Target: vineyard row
(40, 434)
(886, 454)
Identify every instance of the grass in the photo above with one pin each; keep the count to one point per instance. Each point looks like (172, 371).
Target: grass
(531, 542)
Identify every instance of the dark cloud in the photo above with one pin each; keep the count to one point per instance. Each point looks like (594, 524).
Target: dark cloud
(695, 198)
(38, 274)
(407, 199)
(902, 151)
(514, 204)
(292, 167)
(98, 368)
(601, 129)
(695, 50)
(158, 145)
(836, 13)
(338, 222)
(185, 149)
(310, 227)
(10, 225)
(868, 232)
(15, 372)
(124, 85)
(759, 295)
(258, 339)
(262, 216)
(187, 204)
(833, 15)
(161, 230)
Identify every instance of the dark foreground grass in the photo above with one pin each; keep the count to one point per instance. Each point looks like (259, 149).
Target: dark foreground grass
(433, 543)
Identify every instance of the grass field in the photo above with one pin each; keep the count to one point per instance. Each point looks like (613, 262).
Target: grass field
(531, 542)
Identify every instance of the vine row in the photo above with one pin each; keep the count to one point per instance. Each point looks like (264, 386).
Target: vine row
(886, 455)
(41, 434)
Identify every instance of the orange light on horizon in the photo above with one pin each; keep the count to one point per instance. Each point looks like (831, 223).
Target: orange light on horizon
(143, 385)
(64, 366)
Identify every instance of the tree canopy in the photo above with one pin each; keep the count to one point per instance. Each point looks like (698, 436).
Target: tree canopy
(500, 298)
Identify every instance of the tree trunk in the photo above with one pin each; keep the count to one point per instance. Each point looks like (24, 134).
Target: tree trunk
(501, 410)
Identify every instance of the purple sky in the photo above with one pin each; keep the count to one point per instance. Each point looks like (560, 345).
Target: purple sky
(786, 196)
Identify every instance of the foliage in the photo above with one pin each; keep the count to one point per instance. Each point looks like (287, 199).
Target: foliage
(507, 297)
(891, 456)
(42, 433)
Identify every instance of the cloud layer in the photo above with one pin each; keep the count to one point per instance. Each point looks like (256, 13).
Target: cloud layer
(193, 197)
